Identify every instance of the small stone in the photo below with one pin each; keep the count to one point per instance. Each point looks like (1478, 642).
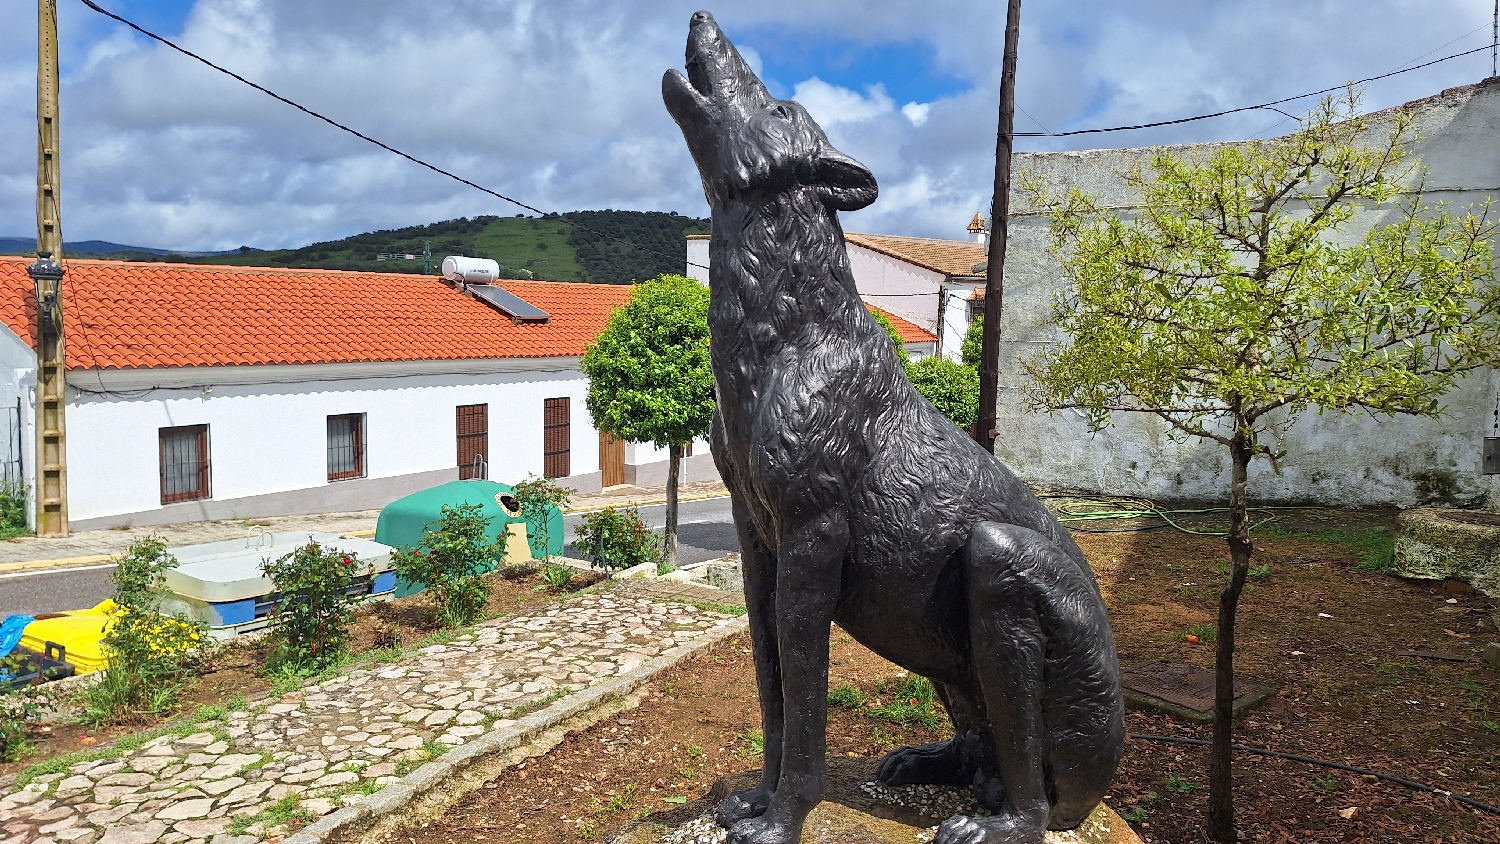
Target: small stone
(203, 828)
(439, 718)
(318, 806)
(472, 716)
(186, 809)
(146, 833)
(336, 778)
(1492, 654)
(384, 769)
(128, 779)
(217, 748)
(218, 787)
(406, 743)
(195, 740)
(248, 791)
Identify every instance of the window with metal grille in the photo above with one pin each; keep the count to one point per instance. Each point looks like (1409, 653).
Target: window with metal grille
(976, 309)
(473, 423)
(346, 446)
(184, 463)
(557, 437)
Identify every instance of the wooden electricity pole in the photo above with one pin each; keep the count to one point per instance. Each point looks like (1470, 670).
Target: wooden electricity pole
(994, 284)
(47, 272)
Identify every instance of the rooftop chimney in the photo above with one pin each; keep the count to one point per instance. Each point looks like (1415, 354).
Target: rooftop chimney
(979, 230)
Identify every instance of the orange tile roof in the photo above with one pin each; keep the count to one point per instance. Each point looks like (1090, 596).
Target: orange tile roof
(910, 332)
(949, 257)
(122, 315)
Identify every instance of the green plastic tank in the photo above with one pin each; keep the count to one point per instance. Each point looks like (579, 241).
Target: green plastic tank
(403, 523)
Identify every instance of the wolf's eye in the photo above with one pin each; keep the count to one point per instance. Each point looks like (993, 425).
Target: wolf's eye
(782, 112)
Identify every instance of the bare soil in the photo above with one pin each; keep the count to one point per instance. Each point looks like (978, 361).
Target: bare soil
(236, 670)
(1329, 638)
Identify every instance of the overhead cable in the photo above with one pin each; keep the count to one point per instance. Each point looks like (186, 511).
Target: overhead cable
(362, 136)
(1267, 106)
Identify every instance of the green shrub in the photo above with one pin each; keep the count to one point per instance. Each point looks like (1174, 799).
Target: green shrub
(890, 330)
(455, 554)
(538, 497)
(149, 653)
(17, 714)
(310, 625)
(952, 388)
(613, 539)
(557, 577)
(14, 506)
(973, 346)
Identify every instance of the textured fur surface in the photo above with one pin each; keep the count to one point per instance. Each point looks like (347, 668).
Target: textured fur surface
(856, 501)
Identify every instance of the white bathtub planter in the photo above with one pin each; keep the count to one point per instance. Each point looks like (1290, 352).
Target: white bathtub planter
(221, 583)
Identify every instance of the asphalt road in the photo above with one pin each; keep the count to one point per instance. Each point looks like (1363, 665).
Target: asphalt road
(705, 531)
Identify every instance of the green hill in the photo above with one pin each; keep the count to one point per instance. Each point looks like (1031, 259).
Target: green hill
(525, 247)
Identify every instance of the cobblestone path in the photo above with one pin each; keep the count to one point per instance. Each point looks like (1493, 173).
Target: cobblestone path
(239, 777)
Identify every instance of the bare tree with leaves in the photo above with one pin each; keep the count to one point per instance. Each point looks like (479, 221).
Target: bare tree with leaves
(1237, 297)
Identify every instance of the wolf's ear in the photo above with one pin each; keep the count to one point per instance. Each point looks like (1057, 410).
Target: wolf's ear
(845, 184)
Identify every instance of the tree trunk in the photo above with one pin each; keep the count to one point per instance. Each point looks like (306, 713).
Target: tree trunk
(1220, 786)
(674, 471)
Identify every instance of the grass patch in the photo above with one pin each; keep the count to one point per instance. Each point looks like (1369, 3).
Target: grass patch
(752, 744)
(912, 701)
(1374, 547)
(1207, 633)
(709, 606)
(1178, 785)
(286, 812)
(528, 708)
(847, 696)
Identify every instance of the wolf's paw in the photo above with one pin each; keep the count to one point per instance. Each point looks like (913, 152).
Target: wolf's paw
(764, 830)
(961, 829)
(939, 763)
(741, 805)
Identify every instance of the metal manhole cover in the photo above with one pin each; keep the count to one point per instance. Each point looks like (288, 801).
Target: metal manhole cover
(1186, 686)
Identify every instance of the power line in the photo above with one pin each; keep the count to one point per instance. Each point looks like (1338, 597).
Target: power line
(356, 133)
(1244, 108)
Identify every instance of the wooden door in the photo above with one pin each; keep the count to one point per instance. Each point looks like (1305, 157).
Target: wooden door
(611, 460)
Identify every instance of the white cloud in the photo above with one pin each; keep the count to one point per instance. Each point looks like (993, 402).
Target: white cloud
(832, 105)
(559, 103)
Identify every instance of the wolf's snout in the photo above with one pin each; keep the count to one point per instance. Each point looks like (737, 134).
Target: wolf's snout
(701, 17)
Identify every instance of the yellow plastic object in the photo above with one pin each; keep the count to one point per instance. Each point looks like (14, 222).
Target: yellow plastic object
(78, 631)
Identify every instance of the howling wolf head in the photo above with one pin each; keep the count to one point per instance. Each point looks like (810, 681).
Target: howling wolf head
(748, 145)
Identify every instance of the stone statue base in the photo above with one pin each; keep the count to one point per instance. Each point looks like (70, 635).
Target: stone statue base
(857, 810)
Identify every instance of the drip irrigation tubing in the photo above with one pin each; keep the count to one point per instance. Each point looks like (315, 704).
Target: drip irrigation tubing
(1337, 766)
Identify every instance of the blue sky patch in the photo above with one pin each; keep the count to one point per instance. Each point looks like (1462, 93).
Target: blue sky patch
(905, 68)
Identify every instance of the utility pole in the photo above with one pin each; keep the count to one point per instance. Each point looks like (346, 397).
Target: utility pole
(51, 389)
(994, 284)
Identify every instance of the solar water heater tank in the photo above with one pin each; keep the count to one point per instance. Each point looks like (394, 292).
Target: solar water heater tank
(461, 270)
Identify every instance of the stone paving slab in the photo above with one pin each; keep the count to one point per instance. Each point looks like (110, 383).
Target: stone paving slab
(339, 742)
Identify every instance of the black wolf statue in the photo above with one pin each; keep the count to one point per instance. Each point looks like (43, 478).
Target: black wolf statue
(856, 501)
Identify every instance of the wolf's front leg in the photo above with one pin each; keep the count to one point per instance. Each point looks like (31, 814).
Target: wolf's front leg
(809, 565)
(759, 569)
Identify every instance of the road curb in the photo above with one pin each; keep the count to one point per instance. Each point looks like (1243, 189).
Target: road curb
(60, 563)
(644, 502)
(576, 711)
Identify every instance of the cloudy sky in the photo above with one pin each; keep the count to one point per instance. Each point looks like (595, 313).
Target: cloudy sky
(558, 102)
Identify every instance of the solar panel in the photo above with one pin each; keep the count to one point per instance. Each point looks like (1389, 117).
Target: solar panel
(508, 303)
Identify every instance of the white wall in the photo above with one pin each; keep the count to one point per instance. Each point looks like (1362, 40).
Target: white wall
(18, 381)
(697, 254)
(1335, 458)
(272, 437)
(879, 276)
(955, 318)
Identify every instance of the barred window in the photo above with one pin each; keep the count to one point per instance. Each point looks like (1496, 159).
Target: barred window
(346, 446)
(184, 463)
(557, 437)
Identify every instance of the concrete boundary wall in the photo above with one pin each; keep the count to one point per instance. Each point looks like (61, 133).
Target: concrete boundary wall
(1334, 458)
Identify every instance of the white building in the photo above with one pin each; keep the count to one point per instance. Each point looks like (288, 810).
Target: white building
(206, 392)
